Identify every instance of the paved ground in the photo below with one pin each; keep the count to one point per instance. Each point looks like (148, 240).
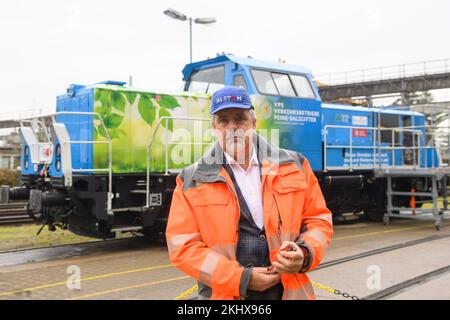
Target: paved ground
(144, 272)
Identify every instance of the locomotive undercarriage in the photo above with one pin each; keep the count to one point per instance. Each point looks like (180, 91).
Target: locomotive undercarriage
(82, 209)
(361, 192)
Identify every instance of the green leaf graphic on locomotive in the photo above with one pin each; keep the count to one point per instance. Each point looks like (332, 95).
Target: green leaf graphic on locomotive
(167, 101)
(95, 133)
(118, 101)
(116, 133)
(112, 120)
(101, 131)
(168, 123)
(98, 95)
(131, 96)
(146, 109)
(103, 110)
(104, 98)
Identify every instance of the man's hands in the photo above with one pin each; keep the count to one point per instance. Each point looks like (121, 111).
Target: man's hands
(290, 259)
(262, 279)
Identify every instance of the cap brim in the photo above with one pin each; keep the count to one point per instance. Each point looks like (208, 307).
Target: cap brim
(231, 106)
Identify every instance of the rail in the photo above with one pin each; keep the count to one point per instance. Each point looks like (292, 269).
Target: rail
(166, 153)
(419, 143)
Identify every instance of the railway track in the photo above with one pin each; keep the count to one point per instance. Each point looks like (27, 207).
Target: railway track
(82, 245)
(39, 254)
(380, 250)
(14, 213)
(404, 285)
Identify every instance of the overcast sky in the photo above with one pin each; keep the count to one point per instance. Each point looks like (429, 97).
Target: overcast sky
(46, 45)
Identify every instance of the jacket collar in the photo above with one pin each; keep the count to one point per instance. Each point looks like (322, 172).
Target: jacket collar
(209, 166)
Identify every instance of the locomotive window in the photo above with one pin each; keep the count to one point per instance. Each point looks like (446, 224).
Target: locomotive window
(302, 86)
(407, 135)
(389, 121)
(239, 81)
(207, 80)
(264, 82)
(282, 84)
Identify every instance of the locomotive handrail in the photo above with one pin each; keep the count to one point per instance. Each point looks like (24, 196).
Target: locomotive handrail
(39, 122)
(53, 115)
(374, 145)
(152, 139)
(420, 134)
(109, 169)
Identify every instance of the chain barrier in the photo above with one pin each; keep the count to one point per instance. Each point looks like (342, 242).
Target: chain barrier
(315, 284)
(334, 291)
(186, 293)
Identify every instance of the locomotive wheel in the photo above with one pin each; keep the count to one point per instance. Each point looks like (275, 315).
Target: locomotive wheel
(375, 196)
(154, 235)
(374, 215)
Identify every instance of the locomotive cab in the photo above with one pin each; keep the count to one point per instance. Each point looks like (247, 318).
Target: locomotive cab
(286, 101)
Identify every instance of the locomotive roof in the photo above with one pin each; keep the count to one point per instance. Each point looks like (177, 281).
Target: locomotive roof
(248, 62)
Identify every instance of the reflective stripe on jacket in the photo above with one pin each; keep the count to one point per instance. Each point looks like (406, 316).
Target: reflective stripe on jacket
(202, 228)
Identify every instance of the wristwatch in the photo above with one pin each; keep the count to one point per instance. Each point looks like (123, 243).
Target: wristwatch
(307, 256)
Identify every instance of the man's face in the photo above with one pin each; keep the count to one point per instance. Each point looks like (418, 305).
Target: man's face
(234, 129)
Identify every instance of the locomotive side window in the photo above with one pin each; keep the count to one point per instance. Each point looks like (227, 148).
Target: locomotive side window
(282, 84)
(207, 80)
(264, 82)
(407, 135)
(302, 86)
(389, 121)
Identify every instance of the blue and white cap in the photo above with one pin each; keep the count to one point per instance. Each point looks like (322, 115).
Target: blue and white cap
(230, 97)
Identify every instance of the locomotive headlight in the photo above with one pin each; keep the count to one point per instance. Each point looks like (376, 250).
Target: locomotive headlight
(58, 150)
(26, 151)
(58, 165)
(26, 164)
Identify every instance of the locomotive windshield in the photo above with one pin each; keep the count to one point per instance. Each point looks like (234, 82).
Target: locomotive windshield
(282, 84)
(207, 80)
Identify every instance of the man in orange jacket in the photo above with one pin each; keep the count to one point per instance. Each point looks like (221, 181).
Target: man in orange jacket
(247, 220)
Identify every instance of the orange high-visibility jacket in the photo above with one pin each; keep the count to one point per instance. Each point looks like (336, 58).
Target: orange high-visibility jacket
(202, 229)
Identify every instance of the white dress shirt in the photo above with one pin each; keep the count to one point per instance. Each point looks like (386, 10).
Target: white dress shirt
(249, 182)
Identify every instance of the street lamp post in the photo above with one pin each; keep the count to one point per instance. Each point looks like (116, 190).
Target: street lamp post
(182, 17)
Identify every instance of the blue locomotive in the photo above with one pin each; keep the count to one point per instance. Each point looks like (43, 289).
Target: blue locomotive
(106, 161)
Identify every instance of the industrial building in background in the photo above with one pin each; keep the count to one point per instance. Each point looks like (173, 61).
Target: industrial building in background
(10, 151)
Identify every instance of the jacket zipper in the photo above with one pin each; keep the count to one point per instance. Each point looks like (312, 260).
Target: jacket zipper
(262, 195)
(280, 221)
